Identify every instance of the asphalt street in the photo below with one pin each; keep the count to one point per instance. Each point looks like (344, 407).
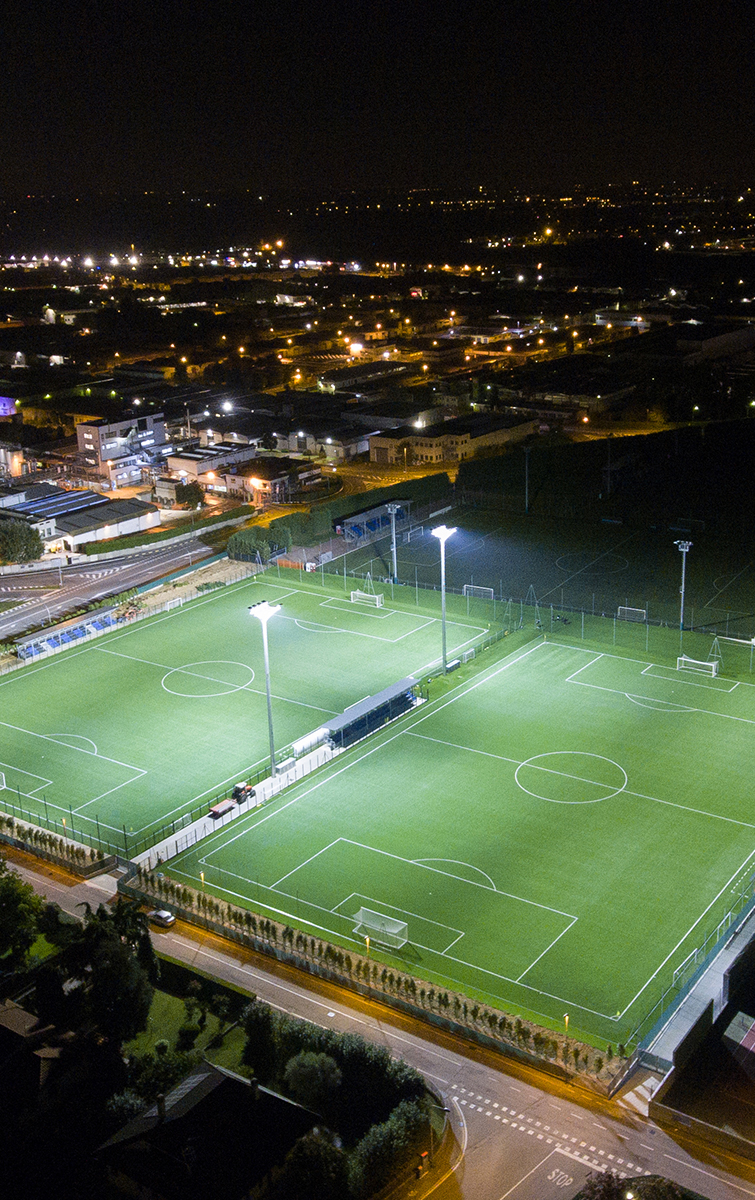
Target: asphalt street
(515, 1132)
(44, 595)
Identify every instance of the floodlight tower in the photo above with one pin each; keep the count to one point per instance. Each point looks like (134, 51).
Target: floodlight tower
(443, 533)
(393, 509)
(264, 611)
(684, 547)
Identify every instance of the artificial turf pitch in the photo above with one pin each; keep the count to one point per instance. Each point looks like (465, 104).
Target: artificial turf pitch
(141, 728)
(560, 826)
(559, 831)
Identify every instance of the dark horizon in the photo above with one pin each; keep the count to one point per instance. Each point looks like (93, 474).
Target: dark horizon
(189, 96)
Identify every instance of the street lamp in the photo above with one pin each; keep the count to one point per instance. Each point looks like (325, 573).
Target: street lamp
(393, 509)
(684, 547)
(443, 533)
(264, 611)
(443, 1109)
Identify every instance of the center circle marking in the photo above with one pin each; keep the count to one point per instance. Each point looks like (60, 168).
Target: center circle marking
(562, 768)
(203, 680)
(583, 563)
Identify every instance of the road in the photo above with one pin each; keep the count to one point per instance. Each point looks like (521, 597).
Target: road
(45, 595)
(515, 1132)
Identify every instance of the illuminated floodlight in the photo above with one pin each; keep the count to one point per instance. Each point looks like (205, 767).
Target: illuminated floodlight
(263, 612)
(443, 533)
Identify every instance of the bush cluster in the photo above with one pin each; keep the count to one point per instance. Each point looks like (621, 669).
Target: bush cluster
(376, 1104)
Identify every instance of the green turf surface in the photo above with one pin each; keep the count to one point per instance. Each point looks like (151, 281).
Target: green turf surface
(146, 725)
(581, 565)
(559, 831)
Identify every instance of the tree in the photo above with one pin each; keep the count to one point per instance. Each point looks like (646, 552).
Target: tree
(259, 1051)
(603, 1185)
(312, 1079)
(189, 495)
(19, 542)
(120, 994)
(20, 912)
(314, 1166)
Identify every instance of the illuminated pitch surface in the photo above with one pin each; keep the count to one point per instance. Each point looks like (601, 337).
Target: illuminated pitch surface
(148, 724)
(559, 831)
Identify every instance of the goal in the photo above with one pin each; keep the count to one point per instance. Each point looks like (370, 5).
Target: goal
(631, 614)
(410, 535)
(471, 589)
(379, 928)
(2, 781)
(374, 598)
(683, 663)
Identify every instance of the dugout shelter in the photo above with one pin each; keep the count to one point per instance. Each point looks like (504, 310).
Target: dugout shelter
(370, 714)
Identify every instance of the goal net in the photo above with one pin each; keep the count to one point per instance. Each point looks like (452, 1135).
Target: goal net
(631, 614)
(410, 535)
(471, 589)
(380, 928)
(373, 598)
(683, 663)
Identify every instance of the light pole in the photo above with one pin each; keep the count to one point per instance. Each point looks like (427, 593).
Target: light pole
(443, 1109)
(684, 547)
(264, 611)
(443, 533)
(393, 509)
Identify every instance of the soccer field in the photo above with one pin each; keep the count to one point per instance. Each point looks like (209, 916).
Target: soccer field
(134, 733)
(560, 832)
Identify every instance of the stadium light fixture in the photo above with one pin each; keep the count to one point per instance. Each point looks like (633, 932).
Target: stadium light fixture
(263, 612)
(443, 533)
(393, 509)
(684, 548)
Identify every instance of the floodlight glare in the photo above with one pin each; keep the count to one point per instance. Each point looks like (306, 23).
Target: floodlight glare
(264, 611)
(443, 533)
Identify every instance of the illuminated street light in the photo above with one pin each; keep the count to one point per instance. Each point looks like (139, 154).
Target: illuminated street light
(443, 533)
(263, 612)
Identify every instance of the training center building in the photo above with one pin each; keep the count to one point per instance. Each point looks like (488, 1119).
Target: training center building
(65, 520)
(448, 440)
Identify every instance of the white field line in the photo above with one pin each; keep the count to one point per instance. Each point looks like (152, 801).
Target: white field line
(314, 787)
(569, 578)
(509, 895)
(305, 863)
(292, 915)
(583, 668)
(708, 712)
(683, 938)
(546, 950)
(502, 758)
(45, 737)
(421, 862)
(394, 908)
(727, 585)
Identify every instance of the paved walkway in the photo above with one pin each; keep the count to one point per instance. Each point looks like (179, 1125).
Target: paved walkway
(709, 987)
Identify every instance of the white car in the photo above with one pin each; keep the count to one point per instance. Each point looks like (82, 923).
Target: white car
(161, 916)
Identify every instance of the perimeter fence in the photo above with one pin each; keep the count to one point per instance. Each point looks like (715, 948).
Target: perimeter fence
(502, 615)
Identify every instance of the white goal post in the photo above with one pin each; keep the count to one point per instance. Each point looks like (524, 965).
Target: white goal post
(683, 663)
(2, 781)
(471, 589)
(410, 535)
(380, 928)
(374, 598)
(631, 614)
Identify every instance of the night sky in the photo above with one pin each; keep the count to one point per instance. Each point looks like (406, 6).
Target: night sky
(325, 94)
